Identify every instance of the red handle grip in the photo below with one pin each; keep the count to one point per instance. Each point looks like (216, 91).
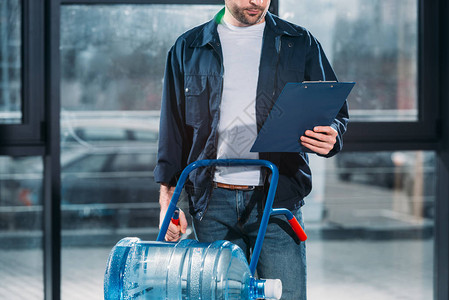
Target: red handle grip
(175, 219)
(298, 229)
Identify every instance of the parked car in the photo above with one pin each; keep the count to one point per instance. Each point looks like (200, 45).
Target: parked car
(112, 185)
(411, 172)
(377, 168)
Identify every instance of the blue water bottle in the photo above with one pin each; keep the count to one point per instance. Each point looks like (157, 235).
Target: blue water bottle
(186, 270)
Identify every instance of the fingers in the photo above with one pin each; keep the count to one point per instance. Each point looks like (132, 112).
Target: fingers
(182, 222)
(326, 129)
(316, 146)
(174, 232)
(321, 140)
(322, 133)
(317, 149)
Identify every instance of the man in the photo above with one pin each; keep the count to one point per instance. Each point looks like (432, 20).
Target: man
(222, 79)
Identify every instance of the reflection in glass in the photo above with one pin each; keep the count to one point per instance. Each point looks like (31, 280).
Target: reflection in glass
(370, 220)
(371, 42)
(113, 57)
(10, 62)
(112, 67)
(21, 228)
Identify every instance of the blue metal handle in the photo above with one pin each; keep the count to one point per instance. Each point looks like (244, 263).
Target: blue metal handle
(228, 162)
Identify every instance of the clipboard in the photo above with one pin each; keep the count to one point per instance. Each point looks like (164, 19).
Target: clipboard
(300, 107)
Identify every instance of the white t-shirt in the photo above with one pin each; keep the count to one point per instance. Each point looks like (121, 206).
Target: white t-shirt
(237, 129)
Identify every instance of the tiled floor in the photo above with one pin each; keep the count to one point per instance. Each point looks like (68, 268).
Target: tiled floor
(21, 275)
(362, 270)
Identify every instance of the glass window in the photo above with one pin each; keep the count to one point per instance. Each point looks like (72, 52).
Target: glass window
(10, 62)
(21, 228)
(112, 67)
(371, 42)
(149, 136)
(105, 134)
(112, 128)
(133, 162)
(370, 221)
(113, 57)
(88, 162)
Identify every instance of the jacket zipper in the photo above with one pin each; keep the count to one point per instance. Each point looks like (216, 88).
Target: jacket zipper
(216, 135)
(278, 50)
(278, 44)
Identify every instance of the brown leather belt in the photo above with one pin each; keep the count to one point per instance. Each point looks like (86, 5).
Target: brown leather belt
(235, 186)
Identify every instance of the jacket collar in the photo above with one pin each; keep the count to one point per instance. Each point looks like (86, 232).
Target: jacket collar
(280, 27)
(209, 33)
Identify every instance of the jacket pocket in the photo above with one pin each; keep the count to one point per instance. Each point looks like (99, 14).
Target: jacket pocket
(196, 99)
(295, 57)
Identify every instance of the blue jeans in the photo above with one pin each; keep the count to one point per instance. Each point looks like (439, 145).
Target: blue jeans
(235, 216)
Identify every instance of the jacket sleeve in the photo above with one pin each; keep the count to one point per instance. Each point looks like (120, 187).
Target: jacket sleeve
(318, 68)
(171, 129)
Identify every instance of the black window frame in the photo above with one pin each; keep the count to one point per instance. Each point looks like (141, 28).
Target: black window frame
(28, 137)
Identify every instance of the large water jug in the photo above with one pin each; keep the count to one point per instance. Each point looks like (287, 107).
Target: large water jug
(186, 270)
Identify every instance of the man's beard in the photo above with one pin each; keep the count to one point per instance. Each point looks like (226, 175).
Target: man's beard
(239, 14)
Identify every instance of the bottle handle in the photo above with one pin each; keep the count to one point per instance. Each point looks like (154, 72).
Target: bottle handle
(175, 218)
(298, 229)
(292, 221)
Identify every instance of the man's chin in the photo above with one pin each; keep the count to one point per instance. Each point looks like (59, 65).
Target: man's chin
(252, 19)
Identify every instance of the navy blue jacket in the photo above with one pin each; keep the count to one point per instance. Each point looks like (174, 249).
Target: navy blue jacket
(191, 99)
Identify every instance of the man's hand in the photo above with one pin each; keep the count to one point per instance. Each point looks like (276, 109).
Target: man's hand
(321, 140)
(174, 232)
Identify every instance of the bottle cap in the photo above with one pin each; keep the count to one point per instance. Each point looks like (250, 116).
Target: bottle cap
(273, 289)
